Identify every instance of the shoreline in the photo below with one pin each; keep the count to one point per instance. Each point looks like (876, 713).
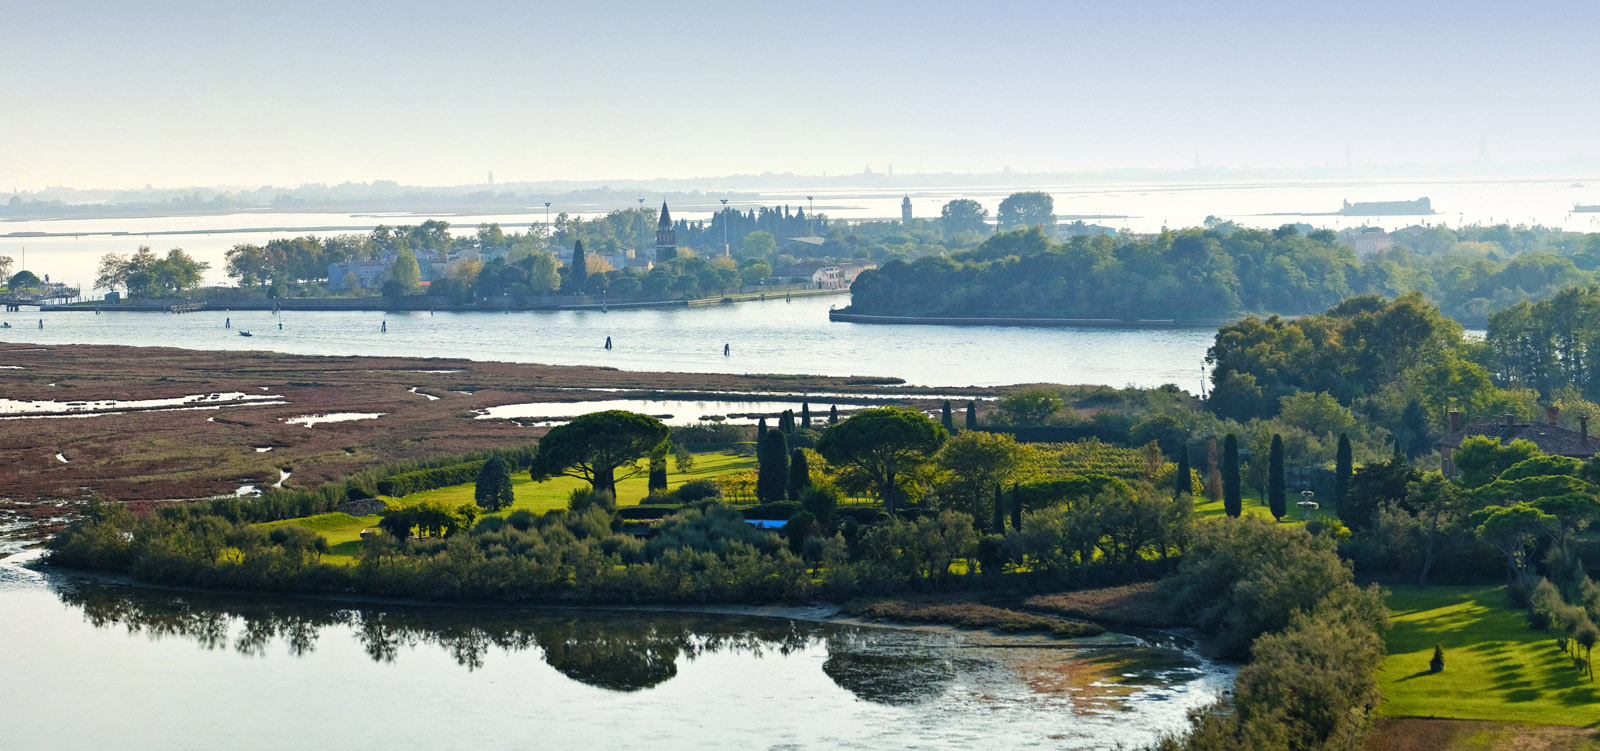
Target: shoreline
(421, 303)
(1107, 323)
(820, 612)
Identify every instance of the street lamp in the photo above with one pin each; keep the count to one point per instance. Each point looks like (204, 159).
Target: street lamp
(811, 215)
(726, 249)
(548, 235)
(641, 226)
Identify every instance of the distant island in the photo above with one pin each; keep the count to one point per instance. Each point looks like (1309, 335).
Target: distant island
(1586, 208)
(1421, 206)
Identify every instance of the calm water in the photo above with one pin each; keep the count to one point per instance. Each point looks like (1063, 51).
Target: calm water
(766, 337)
(85, 663)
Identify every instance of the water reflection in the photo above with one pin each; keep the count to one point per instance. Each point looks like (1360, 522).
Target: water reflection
(616, 651)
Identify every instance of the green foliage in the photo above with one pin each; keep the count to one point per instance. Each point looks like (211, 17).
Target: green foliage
(1343, 470)
(1240, 578)
(799, 475)
(1480, 459)
(971, 464)
(144, 274)
(1028, 209)
(1275, 480)
(772, 475)
(492, 489)
(1232, 491)
(1027, 408)
(594, 446)
(884, 444)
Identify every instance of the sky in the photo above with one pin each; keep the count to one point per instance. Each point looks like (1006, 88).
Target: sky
(177, 93)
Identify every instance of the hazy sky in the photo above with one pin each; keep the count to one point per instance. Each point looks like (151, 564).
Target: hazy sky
(209, 93)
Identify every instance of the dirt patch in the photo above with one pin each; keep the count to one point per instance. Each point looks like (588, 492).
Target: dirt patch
(1129, 605)
(203, 452)
(1419, 734)
(969, 614)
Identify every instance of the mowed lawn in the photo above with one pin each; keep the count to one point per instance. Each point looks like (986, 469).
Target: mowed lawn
(343, 531)
(1206, 508)
(1496, 668)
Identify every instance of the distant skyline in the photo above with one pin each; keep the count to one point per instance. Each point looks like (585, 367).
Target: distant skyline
(188, 93)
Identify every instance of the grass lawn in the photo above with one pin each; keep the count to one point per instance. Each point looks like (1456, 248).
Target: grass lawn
(343, 531)
(1496, 668)
(1249, 506)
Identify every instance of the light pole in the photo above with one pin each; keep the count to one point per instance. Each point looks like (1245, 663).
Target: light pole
(811, 216)
(726, 249)
(641, 226)
(548, 235)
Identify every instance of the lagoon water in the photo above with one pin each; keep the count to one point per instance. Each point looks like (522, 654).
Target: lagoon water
(89, 664)
(765, 337)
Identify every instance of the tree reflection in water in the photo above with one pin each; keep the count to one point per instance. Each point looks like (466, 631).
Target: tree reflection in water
(618, 651)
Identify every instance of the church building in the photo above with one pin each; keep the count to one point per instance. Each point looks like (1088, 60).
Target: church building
(666, 238)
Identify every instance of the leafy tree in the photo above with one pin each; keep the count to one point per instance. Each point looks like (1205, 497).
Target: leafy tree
(799, 475)
(1031, 407)
(820, 500)
(884, 444)
(1376, 485)
(1514, 531)
(404, 275)
(22, 280)
(1343, 468)
(1232, 497)
(946, 419)
(772, 473)
(1480, 459)
(594, 446)
(493, 488)
(1028, 209)
(973, 462)
(963, 215)
(1275, 480)
(6, 263)
(758, 244)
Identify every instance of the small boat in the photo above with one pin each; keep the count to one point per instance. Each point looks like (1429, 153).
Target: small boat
(5, 325)
(245, 333)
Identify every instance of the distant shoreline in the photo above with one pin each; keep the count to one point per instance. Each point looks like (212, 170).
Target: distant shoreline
(422, 303)
(1121, 323)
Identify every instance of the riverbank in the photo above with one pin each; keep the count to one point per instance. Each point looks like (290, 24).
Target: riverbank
(426, 303)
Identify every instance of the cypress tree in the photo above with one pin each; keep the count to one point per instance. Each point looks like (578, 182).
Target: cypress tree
(658, 478)
(1343, 468)
(1275, 480)
(799, 473)
(786, 422)
(833, 415)
(579, 273)
(946, 419)
(805, 415)
(772, 467)
(972, 415)
(761, 431)
(1184, 482)
(492, 490)
(999, 510)
(1232, 501)
(1016, 507)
